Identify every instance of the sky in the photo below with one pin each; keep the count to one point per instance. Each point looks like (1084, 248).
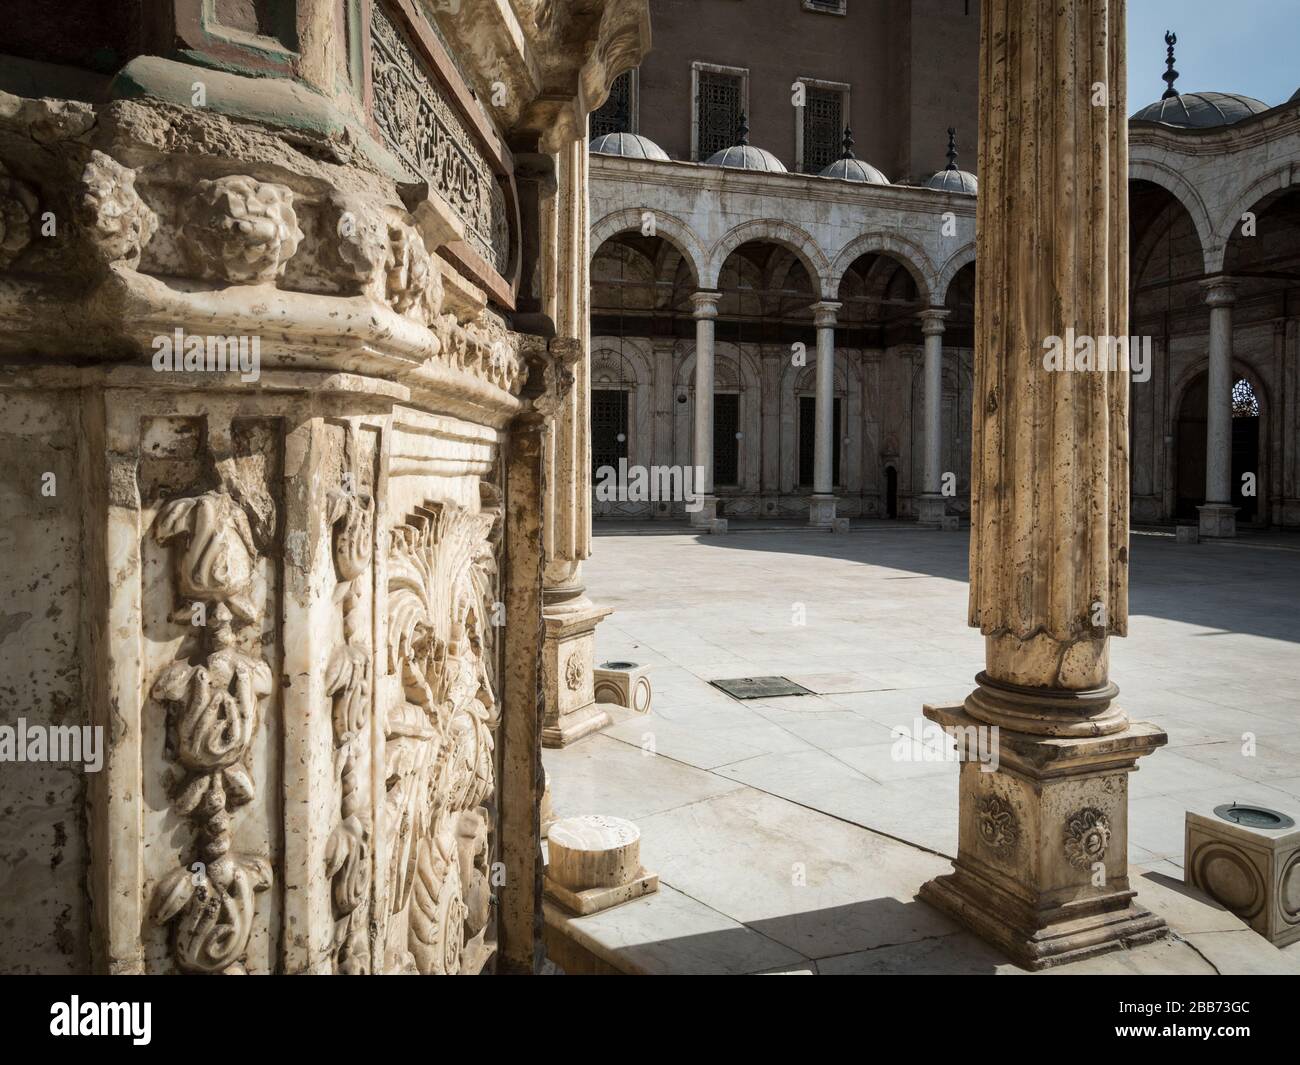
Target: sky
(1244, 46)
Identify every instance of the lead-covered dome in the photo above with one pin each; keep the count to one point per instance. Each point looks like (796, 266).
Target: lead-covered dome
(952, 178)
(744, 156)
(628, 145)
(848, 167)
(1195, 110)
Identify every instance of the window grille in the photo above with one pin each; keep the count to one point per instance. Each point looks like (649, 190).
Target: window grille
(808, 440)
(608, 423)
(726, 448)
(823, 128)
(717, 110)
(615, 114)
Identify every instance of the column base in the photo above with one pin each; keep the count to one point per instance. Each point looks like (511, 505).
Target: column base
(821, 511)
(1217, 519)
(707, 513)
(1042, 856)
(930, 509)
(568, 661)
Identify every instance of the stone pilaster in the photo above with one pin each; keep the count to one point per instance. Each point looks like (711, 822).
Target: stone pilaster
(1041, 868)
(821, 507)
(1218, 517)
(930, 506)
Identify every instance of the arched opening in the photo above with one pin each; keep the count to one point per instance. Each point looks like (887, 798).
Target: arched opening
(1190, 445)
(891, 492)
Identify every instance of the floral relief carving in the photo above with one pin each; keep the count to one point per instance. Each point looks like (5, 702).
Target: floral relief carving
(362, 241)
(1087, 835)
(996, 823)
(440, 738)
(348, 685)
(17, 213)
(117, 222)
(240, 230)
(573, 672)
(413, 284)
(213, 710)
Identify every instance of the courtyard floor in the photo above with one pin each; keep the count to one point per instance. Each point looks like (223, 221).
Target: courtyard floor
(786, 834)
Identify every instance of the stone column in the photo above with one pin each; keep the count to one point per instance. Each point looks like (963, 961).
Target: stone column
(706, 310)
(1218, 517)
(1041, 868)
(821, 507)
(569, 651)
(930, 507)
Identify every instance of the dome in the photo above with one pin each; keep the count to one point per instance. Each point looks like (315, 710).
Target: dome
(951, 179)
(744, 156)
(848, 167)
(628, 145)
(1195, 110)
(1294, 97)
(747, 157)
(1201, 110)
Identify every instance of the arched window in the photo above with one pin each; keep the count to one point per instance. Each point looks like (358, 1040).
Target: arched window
(1245, 404)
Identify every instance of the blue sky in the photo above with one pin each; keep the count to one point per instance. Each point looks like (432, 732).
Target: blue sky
(1245, 46)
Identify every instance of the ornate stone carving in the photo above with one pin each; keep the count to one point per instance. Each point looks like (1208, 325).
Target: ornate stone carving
(348, 685)
(213, 713)
(573, 671)
(117, 223)
(439, 728)
(240, 230)
(424, 131)
(17, 211)
(413, 286)
(362, 241)
(996, 822)
(1087, 835)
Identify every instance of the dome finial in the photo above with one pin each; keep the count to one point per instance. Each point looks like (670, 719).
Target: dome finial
(1170, 75)
(952, 148)
(848, 144)
(742, 131)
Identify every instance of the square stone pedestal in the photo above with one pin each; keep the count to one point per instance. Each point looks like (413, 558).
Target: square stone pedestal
(568, 659)
(821, 511)
(624, 684)
(1254, 872)
(1042, 854)
(707, 514)
(1217, 519)
(930, 509)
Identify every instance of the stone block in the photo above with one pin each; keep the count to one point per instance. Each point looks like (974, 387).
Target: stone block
(624, 684)
(1252, 869)
(1217, 520)
(595, 863)
(1188, 534)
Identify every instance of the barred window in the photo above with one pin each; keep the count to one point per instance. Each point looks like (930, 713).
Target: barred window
(717, 110)
(608, 428)
(829, 7)
(615, 114)
(823, 128)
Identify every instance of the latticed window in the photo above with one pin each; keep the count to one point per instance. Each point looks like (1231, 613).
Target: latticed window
(808, 440)
(833, 7)
(823, 128)
(615, 114)
(717, 110)
(608, 428)
(726, 446)
(1245, 404)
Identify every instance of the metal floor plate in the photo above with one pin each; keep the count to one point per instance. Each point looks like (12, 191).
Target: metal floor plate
(759, 687)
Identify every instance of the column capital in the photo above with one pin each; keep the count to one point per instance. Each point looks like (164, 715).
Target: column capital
(825, 313)
(932, 321)
(1220, 291)
(706, 304)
